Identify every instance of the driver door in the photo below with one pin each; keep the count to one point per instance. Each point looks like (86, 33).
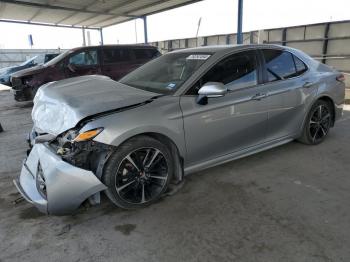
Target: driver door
(235, 121)
(84, 62)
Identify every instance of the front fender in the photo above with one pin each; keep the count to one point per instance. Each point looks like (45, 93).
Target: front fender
(162, 117)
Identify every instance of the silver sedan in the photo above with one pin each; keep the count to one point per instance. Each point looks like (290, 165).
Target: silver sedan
(180, 113)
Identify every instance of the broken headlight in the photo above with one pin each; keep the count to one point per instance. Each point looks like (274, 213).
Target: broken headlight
(77, 147)
(88, 135)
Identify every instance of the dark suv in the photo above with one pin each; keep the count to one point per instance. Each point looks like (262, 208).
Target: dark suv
(113, 61)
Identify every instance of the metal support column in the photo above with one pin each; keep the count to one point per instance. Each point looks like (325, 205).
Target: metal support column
(325, 44)
(84, 40)
(239, 22)
(145, 28)
(101, 36)
(284, 36)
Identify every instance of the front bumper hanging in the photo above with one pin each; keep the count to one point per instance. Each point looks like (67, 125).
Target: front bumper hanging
(53, 185)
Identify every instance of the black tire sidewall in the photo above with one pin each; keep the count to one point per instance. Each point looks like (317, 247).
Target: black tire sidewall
(307, 128)
(110, 170)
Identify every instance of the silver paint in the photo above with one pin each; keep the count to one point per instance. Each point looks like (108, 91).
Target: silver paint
(239, 123)
(67, 186)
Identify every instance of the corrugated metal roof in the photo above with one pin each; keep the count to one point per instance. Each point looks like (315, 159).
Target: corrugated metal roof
(87, 13)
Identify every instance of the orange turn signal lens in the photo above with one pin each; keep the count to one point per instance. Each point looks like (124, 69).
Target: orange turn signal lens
(88, 135)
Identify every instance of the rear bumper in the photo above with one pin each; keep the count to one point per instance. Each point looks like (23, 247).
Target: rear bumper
(67, 186)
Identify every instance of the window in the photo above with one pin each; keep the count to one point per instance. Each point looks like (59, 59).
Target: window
(145, 53)
(282, 65)
(236, 71)
(88, 57)
(300, 66)
(165, 74)
(115, 55)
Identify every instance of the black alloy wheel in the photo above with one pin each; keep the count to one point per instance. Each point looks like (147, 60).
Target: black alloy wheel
(141, 176)
(318, 123)
(138, 172)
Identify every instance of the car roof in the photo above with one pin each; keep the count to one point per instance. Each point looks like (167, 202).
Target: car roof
(228, 48)
(123, 46)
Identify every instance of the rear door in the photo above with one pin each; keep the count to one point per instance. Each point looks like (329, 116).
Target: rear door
(287, 88)
(230, 123)
(117, 61)
(83, 62)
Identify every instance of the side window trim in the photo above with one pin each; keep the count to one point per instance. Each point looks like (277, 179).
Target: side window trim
(295, 64)
(84, 50)
(258, 69)
(264, 68)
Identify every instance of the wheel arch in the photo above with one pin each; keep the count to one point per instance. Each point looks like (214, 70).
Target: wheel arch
(323, 97)
(177, 154)
(329, 100)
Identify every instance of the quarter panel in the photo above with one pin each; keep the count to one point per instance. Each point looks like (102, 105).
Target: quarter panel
(288, 104)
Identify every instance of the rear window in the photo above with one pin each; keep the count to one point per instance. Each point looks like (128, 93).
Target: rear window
(300, 65)
(146, 53)
(116, 55)
(282, 65)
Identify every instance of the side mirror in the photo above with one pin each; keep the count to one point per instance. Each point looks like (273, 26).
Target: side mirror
(71, 67)
(210, 90)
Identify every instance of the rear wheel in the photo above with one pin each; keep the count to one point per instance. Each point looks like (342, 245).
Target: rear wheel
(138, 173)
(318, 123)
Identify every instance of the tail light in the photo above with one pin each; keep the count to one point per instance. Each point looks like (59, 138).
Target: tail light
(341, 78)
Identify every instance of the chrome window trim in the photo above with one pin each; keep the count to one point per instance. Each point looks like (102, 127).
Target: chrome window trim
(286, 79)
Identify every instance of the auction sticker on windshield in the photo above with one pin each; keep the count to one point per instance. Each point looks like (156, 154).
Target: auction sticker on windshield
(198, 57)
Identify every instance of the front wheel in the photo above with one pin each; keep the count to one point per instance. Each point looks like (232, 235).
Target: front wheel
(317, 124)
(138, 173)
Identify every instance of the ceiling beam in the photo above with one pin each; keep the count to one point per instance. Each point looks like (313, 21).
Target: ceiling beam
(75, 13)
(130, 11)
(134, 10)
(150, 13)
(111, 8)
(39, 11)
(108, 11)
(54, 7)
(43, 24)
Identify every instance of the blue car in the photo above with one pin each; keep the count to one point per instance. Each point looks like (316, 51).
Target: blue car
(5, 73)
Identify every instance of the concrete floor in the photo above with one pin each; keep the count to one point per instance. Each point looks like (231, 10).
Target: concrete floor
(290, 203)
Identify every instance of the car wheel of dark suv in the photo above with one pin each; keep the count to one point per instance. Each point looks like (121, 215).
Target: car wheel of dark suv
(318, 123)
(138, 173)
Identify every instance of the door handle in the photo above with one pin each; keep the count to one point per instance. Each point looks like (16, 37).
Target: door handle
(259, 96)
(308, 84)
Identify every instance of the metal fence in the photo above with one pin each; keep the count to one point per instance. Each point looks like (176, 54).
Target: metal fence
(327, 42)
(9, 57)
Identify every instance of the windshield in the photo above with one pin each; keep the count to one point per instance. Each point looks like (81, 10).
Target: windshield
(58, 58)
(29, 61)
(164, 75)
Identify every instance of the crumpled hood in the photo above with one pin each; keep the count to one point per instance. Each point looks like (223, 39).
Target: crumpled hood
(59, 106)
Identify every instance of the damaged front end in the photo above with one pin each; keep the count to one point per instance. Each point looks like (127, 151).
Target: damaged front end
(61, 172)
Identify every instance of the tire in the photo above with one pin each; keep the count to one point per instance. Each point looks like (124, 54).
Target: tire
(137, 175)
(317, 123)
(32, 91)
